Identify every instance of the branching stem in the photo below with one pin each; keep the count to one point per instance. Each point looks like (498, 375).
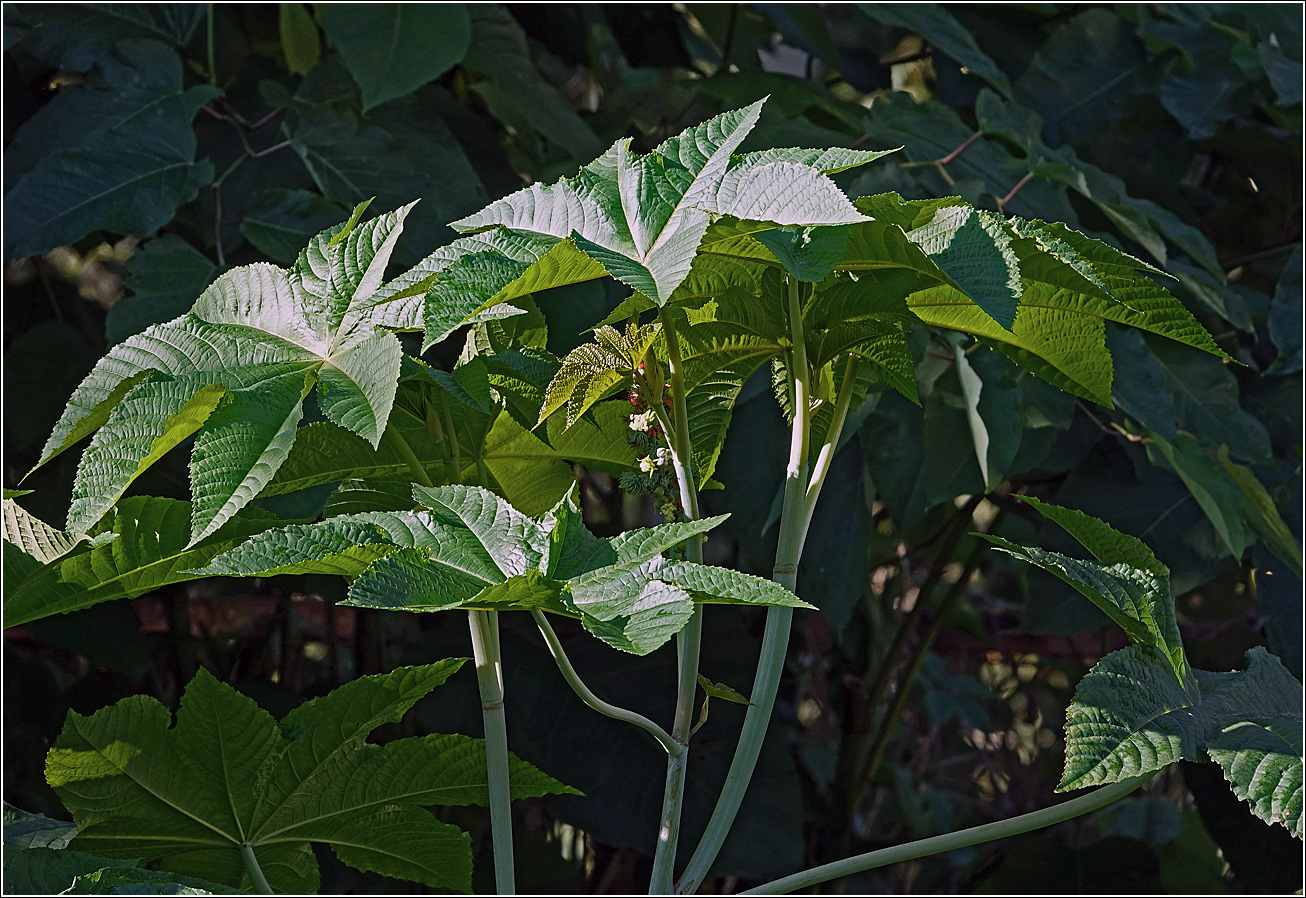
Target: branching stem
(976, 835)
(799, 498)
(690, 638)
(608, 710)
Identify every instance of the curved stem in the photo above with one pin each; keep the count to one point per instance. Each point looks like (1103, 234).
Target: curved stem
(690, 638)
(775, 639)
(987, 832)
(256, 877)
(490, 683)
(407, 454)
(455, 462)
(578, 686)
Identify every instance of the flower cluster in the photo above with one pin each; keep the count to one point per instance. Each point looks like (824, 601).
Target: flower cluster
(655, 476)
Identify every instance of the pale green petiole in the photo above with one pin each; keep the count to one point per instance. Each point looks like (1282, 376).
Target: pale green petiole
(987, 832)
(490, 683)
(256, 877)
(484, 626)
(609, 710)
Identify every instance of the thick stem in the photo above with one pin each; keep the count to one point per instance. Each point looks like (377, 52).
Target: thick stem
(608, 710)
(976, 835)
(690, 638)
(775, 638)
(489, 680)
(256, 877)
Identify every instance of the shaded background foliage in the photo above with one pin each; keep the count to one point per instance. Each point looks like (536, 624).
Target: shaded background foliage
(150, 147)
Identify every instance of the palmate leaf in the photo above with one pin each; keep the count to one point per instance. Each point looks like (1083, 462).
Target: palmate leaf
(24, 830)
(487, 282)
(142, 547)
(34, 537)
(731, 321)
(970, 247)
(468, 548)
(643, 217)
(46, 871)
(1131, 716)
(968, 271)
(234, 372)
(1258, 737)
(136, 881)
(186, 797)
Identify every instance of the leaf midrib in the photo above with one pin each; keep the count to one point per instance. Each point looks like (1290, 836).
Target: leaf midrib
(352, 742)
(123, 770)
(115, 188)
(394, 798)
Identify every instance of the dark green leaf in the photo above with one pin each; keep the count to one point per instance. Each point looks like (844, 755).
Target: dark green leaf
(1130, 716)
(516, 89)
(394, 48)
(1085, 75)
(1258, 737)
(117, 154)
(188, 796)
(1211, 485)
(75, 36)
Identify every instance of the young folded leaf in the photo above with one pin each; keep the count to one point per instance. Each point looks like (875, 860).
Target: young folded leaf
(186, 798)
